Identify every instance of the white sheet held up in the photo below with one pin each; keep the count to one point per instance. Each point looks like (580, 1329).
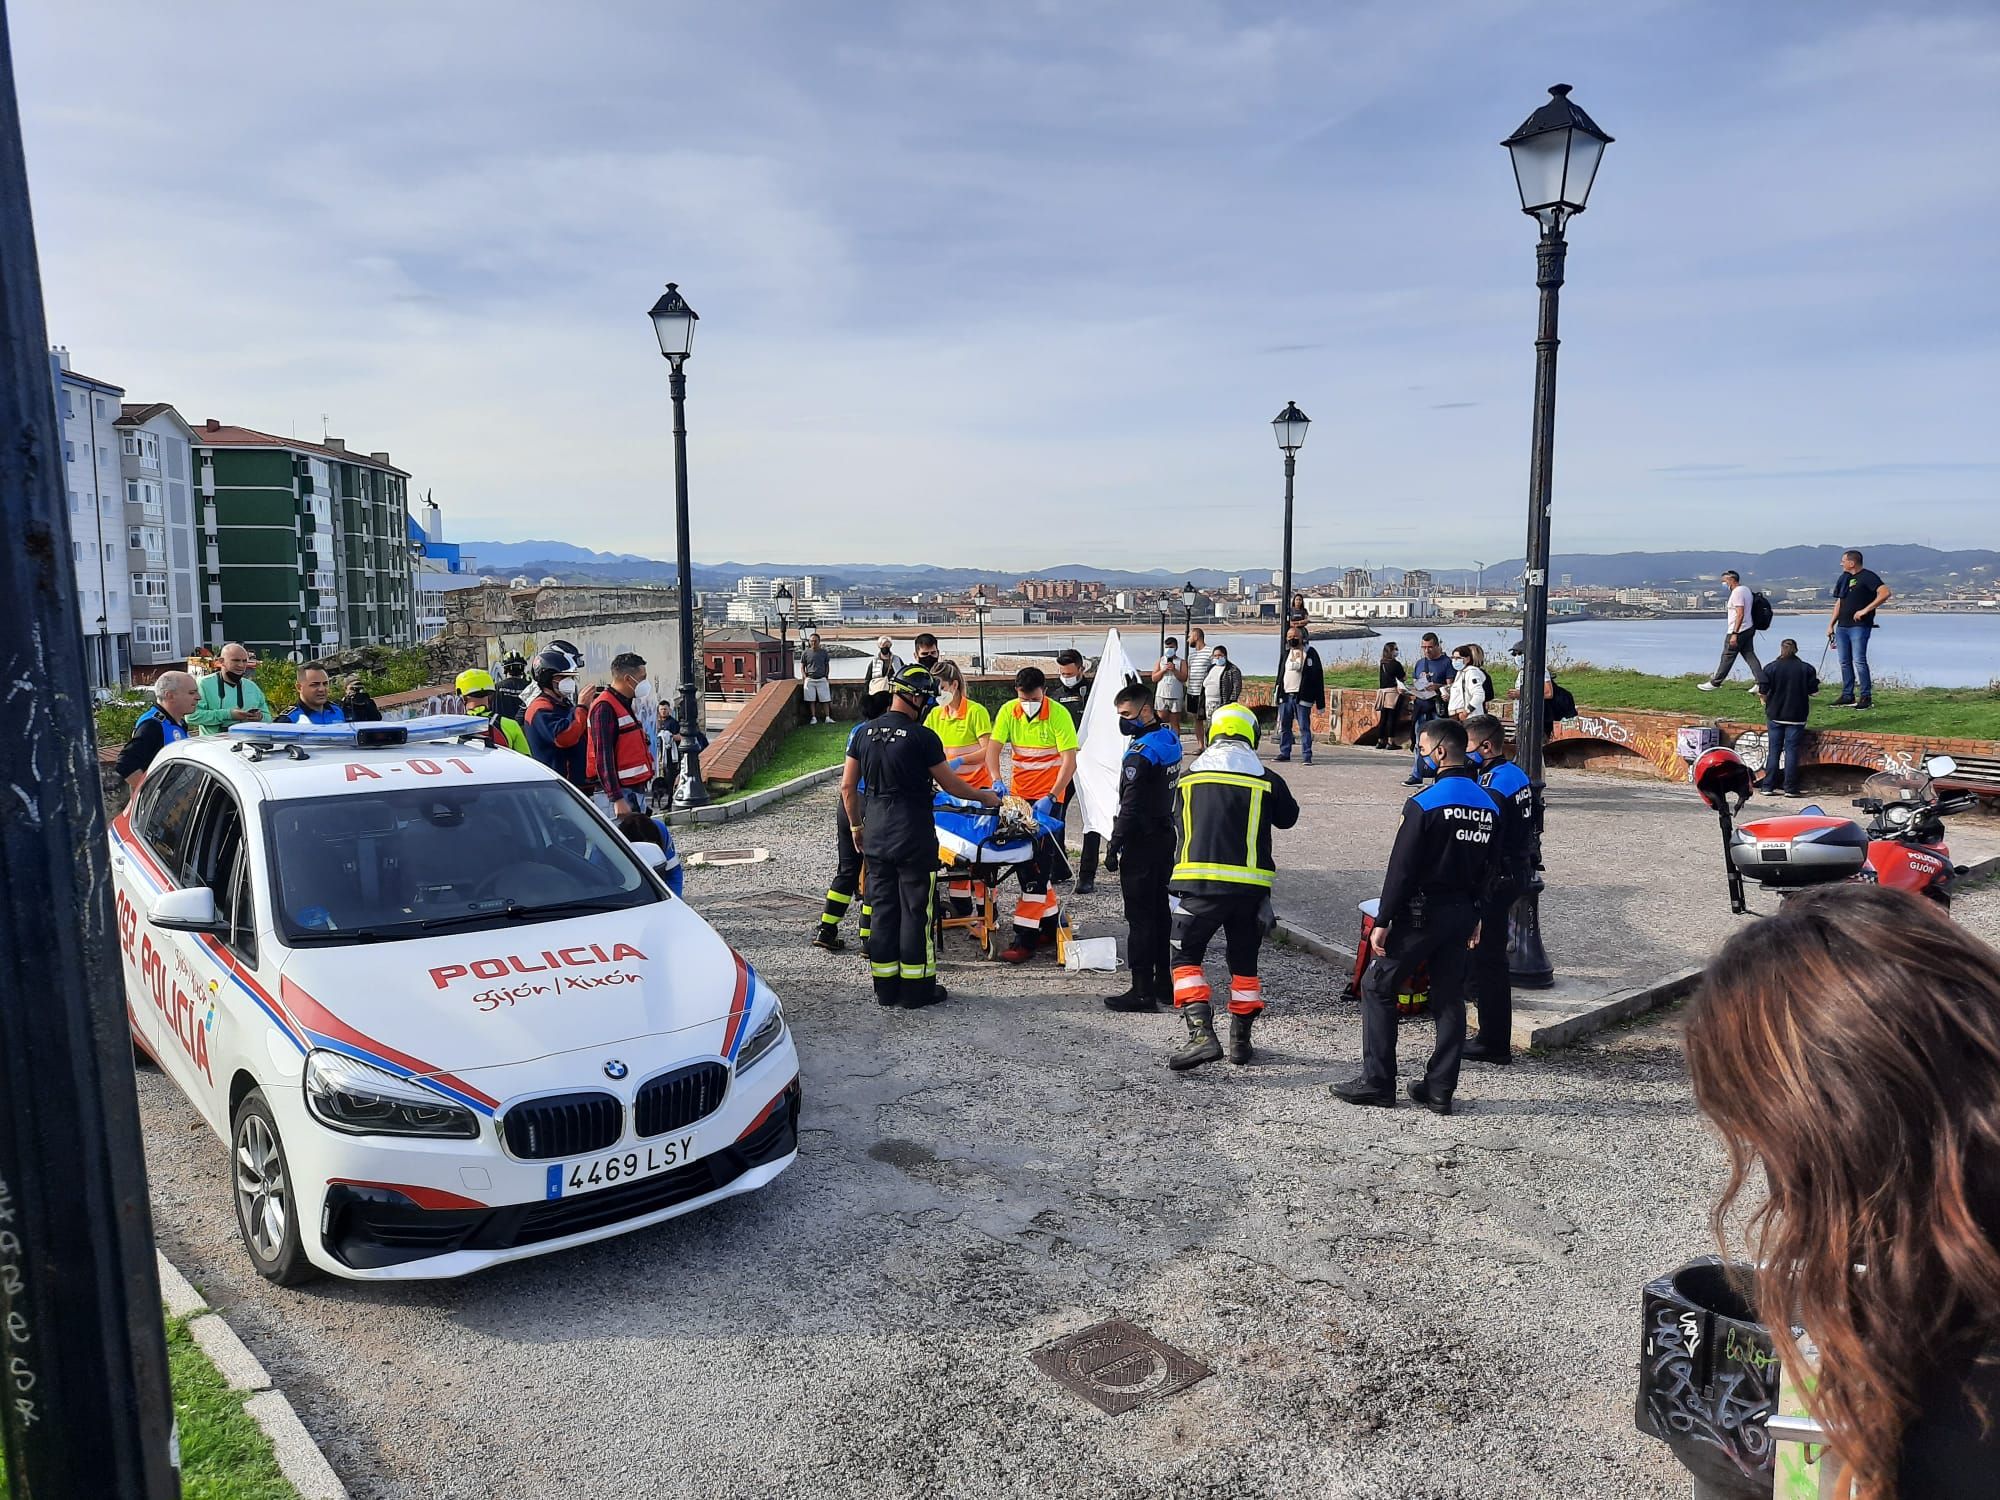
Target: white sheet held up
(1100, 746)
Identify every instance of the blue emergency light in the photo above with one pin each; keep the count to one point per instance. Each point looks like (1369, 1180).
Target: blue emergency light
(421, 731)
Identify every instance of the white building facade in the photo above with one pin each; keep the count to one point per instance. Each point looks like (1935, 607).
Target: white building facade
(156, 464)
(87, 412)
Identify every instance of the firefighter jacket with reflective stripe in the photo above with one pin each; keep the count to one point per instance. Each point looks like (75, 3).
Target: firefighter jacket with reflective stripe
(616, 738)
(1225, 820)
(1146, 780)
(1445, 849)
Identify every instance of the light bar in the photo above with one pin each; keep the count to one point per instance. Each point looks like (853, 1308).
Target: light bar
(426, 730)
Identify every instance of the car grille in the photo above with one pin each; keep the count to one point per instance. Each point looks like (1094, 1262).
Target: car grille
(678, 1099)
(563, 1125)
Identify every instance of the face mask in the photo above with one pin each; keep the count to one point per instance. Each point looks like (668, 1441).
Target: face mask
(1474, 759)
(1295, 644)
(1032, 710)
(1429, 763)
(1069, 681)
(566, 686)
(1131, 726)
(1459, 664)
(927, 658)
(1172, 652)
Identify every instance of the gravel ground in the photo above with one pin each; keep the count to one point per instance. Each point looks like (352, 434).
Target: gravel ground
(1393, 1304)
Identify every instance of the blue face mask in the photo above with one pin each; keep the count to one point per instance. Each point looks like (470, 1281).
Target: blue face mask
(1474, 759)
(1131, 726)
(1429, 763)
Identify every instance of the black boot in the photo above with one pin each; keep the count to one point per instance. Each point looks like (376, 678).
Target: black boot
(1132, 999)
(1239, 1038)
(1202, 1047)
(828, 938)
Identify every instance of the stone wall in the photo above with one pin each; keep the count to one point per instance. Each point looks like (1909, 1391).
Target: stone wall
(482, 624)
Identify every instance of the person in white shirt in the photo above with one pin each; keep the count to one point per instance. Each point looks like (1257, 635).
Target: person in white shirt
(1170, 684)
(1740, 639)
(1199, 656)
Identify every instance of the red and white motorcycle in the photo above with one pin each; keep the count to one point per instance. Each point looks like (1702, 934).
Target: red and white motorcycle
(1902, 846)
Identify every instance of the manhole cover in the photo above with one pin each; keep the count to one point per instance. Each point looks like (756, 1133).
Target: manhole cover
(1116, 1366)
(729, 857)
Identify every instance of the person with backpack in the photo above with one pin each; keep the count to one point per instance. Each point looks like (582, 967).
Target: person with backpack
(1746, 613)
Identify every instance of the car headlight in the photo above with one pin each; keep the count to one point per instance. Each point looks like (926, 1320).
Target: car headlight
(763, 1039)
(348, 1095)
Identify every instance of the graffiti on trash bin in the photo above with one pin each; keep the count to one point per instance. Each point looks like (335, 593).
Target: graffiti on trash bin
(1730, 1413)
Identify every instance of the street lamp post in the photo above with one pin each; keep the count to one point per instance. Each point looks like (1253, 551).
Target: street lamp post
(1555, 155)
(673, 322)
(1290, 426)
(783, 599)
(980, 610)
(1165, 610)
(1189, 596)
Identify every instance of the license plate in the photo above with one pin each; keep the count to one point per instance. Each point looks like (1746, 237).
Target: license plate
(567, 1179)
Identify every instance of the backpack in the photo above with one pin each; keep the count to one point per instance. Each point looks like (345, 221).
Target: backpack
(1760, 611)
(1562, 702)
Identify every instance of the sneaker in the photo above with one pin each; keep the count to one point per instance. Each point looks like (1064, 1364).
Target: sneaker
(829, 939)
(1706, 687)
(1841, 703)
(1864, 703)
(1016, 954)
(1413, 781)
(1436, 1104)
(1757, 687)
(1283, 759)
(1357, 1091)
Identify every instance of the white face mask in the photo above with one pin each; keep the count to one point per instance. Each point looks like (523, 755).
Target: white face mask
(1460, 663)
(1069, 681)
(566, 686)
(1031, 710)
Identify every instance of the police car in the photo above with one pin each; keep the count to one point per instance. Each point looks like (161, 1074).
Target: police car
(442, 1013)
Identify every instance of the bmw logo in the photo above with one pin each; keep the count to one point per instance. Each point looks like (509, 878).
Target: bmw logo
(615, 1069)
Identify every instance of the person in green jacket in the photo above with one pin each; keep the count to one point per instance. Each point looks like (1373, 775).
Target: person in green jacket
(230, 696)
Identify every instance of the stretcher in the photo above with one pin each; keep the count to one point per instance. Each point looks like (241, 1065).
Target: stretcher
(971, 847)
(1412, 1001)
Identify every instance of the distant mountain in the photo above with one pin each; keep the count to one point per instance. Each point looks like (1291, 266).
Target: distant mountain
(1906, 567)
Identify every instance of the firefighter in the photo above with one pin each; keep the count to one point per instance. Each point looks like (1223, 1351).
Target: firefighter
(1229, 802)
(846, 857)
(1143, 838)
(900, 760)
(1044, 739)
(510, 693)
(553, 722)
(1439, 871)
(475, 686)
(1514, 795)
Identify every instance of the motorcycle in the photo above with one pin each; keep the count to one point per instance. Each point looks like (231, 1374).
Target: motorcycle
(1903, 845)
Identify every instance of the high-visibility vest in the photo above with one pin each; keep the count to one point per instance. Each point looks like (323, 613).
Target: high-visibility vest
(1225, 835)
(1038, 745)
(959, 734)
(635, 761)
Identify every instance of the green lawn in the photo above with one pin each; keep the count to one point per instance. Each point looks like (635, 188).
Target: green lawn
(224, 1453)
(810, 747)
(1954, 713)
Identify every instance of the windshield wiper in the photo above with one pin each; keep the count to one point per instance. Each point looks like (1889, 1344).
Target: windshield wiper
(342, 935)
(458, 919)
(580, 906)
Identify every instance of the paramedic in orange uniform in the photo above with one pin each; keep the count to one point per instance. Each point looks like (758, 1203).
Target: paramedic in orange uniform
(1043, 737)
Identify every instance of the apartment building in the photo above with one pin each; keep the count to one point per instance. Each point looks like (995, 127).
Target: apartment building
(306, 545)
(87, 412)
(156, 465)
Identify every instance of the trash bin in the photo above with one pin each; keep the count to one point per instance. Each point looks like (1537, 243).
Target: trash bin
(1708, 1379)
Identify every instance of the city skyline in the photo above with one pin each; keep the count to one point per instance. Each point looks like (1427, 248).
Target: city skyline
(1051, 275)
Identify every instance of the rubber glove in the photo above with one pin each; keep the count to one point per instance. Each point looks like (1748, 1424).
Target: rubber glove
(1045, 807)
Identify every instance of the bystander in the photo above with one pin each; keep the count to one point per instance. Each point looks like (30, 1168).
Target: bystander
(1789, 684)
(230, 696)
(1301, 690)
(814, 667)
(1857, 594)
(1430, 678)
(1739, 634)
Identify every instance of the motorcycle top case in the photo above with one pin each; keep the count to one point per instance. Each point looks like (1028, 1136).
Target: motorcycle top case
(1800, 849)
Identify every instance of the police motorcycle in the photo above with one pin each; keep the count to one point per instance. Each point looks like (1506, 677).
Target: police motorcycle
(1902, 846)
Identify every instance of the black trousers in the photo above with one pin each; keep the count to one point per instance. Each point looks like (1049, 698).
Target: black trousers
(902, 935)
(1239, 917)
(846, 876)
(1492, 985)
(1093, 844)
(1142, 879)
(1440, 942)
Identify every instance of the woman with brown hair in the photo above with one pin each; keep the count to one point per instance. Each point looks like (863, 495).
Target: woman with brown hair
(1850, 1047)
(1389, 691)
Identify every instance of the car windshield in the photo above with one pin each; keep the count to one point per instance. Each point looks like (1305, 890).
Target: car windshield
(407, 863)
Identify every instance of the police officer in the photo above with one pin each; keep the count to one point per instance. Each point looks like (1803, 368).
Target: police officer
(1492, 987)
(1143, 837)
(1229, 803)
(900, 760)
(1439, 873)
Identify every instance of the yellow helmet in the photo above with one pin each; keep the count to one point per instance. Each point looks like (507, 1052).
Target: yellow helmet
(1233, 721)
(474, 680)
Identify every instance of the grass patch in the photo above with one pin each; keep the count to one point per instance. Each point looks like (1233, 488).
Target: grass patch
(1971, 713)
(810, 747)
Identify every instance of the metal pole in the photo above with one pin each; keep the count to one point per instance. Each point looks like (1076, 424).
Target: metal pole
(1527, 960)
(84, 1405)
(692, 791)
(1285, 596)
(980, 611)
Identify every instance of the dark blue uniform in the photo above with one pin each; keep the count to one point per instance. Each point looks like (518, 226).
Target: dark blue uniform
(1143, 837)
(1514, 795)
(846, 871)
(1439, 874)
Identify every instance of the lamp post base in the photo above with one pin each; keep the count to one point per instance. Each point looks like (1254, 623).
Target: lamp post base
(1528, 963)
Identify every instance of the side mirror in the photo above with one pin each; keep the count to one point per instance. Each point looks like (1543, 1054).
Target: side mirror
(191, 909)
(1940, 766)
(652, 856)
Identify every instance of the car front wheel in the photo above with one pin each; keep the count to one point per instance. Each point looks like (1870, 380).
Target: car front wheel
(266, 1209)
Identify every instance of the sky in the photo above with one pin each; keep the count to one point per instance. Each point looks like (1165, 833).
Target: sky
(1017, 285)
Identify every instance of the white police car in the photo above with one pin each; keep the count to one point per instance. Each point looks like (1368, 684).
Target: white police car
(442, 1013)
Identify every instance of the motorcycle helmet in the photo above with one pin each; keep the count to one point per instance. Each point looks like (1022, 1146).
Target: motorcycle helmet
(1720, 775)
(550, 665)
(1233, 721)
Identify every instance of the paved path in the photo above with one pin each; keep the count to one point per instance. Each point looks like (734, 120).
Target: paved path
(1635, 883)
(1394, 1305)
